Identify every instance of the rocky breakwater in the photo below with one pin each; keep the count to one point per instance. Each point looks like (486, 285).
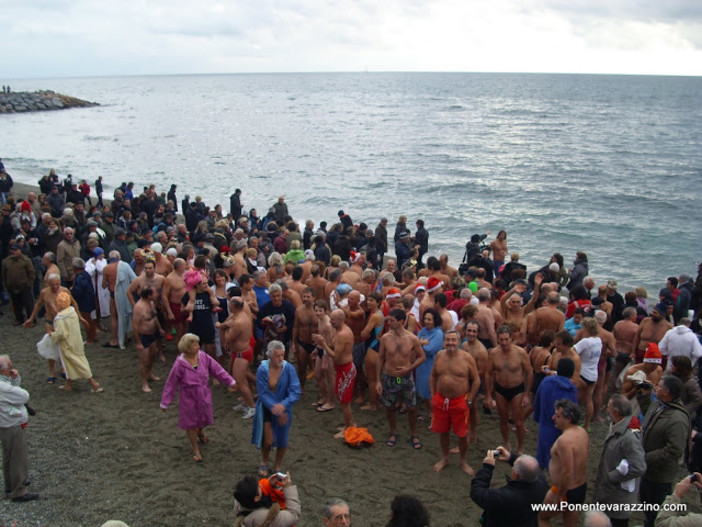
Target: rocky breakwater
(39, 101)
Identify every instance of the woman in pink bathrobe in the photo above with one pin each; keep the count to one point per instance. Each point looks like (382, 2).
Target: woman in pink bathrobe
(191, 374)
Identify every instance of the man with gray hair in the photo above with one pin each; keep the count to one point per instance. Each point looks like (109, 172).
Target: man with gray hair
(336, 513)
(67, 249)
(622, 462)
(513, 503)
(13, 436)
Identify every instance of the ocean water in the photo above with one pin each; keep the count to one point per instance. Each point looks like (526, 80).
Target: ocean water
(611, 165)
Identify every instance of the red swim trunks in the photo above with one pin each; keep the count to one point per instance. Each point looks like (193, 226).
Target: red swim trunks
(177, 314)
(447, 413)
(345, 380)
(248, 354)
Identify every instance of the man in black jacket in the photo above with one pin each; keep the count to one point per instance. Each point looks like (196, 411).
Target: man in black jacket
(512, 504)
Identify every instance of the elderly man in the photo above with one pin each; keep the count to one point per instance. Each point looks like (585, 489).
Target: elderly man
(66, 250)
(13, 420)
(622, 461)
(512, 504)
(336, 513)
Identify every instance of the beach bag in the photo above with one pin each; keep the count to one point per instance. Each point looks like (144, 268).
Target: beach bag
(47, 349)
(357, 437)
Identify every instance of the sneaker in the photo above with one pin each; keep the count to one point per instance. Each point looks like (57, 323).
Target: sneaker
(239, 408)
(249, 413)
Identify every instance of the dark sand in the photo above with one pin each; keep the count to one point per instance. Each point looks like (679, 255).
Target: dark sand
(117, 456)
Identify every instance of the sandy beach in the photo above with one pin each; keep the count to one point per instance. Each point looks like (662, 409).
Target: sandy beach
(115, 455)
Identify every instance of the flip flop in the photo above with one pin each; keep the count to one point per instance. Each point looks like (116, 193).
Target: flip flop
(99, 389)
(197, 457)
(108, 345)
(50, 380)
(392, 440)
(415, 442)
(322, 409)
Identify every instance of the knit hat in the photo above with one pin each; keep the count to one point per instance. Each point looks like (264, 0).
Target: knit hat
(433, 284)
(653, 353)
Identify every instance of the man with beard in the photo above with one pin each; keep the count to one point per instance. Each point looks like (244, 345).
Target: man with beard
(651, 329)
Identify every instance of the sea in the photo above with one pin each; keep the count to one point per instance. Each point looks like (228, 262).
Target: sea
(605, 164)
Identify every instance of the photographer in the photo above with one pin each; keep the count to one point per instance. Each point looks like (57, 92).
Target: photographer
(666, 432)
(273, 502)
(676, 518)
(511, 504)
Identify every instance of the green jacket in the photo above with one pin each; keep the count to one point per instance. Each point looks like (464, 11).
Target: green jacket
(666, 432)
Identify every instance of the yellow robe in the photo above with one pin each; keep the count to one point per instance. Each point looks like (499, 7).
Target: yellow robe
(67, 335)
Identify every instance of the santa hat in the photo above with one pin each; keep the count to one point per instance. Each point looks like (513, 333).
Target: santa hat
(25, 207)
(393, 292)
(433, 284)
(653, 353)
(354, 256)
(418, 288)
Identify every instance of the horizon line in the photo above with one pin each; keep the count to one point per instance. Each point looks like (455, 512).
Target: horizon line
(355, 72)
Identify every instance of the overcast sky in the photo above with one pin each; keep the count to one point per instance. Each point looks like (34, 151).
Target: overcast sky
(48, 38)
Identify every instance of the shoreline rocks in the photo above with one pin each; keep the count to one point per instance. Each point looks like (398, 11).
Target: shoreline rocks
(39, 101)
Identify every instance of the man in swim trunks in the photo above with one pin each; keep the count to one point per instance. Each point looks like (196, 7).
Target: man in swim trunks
(341, 352)
(509, 375)
(356, 320)
(395, 385)
(476, 350)
(304, 326)
(624, 333)
(172, 293)
(238, 340)
(651, 329)
(146, 330)
(454, 384)
(149, 278)
(568, 466)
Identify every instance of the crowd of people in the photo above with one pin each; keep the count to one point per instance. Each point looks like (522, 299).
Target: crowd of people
(264, 305)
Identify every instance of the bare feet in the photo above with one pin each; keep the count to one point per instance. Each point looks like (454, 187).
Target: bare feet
(197, 457)
(455, 450)
(440, 465)
(161, 357)
(152, 377)
(340, 434)
(325, 408)
(465, 467)
(145, 388)
(359, 399)
(369, 407)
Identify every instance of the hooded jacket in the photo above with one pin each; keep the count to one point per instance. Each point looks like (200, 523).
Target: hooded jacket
(666, 429)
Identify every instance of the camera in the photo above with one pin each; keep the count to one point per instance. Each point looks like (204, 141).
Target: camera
(496, 453)
(644, 385)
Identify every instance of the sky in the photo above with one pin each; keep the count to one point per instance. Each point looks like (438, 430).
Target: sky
(76, 38)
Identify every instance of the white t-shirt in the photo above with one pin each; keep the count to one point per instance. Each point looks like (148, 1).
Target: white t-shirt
(589, 350)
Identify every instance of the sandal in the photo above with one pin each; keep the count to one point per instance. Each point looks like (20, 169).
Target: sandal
(263, 471)
(197, 457)
(392, 440)
(51, 380)
(416, 443)
(203, 438)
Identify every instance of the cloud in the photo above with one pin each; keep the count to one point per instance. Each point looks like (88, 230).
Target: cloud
(97, 37)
